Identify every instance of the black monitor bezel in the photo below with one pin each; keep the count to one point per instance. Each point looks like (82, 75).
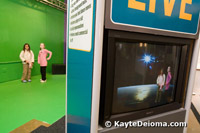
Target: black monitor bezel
(107, 82)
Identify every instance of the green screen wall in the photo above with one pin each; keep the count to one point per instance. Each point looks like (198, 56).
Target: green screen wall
(28, 21)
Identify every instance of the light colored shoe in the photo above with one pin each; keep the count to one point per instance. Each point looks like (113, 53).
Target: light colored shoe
(43, 81)
(24, 81)
(29, 80)
(194, 93)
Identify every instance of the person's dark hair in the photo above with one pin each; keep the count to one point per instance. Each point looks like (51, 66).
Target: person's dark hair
(28, 46)
(161, 71)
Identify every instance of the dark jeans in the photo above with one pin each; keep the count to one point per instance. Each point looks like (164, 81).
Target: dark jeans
(43, 72)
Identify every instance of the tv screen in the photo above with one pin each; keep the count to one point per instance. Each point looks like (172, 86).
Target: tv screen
(145, 75)
(142, 75)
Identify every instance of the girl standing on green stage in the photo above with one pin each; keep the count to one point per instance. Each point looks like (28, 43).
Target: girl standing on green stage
(27, 58)
(42, 60)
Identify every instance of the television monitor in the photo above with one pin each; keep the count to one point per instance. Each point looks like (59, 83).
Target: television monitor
(142, 75)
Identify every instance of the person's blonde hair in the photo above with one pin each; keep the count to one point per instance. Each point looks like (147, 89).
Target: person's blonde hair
(43, 44)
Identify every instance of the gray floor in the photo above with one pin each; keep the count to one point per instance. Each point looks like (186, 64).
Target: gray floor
(193, 124)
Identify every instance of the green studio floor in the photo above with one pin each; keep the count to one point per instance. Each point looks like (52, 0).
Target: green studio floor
(22, 102)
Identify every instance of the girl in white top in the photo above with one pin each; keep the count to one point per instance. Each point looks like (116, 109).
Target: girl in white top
(161, 80)
(27, 58)
(160, 83)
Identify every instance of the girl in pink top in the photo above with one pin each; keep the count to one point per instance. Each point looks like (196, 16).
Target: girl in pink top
(42, 60)
(169, 77)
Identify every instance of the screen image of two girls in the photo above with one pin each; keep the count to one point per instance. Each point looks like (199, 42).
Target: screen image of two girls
(145, 75)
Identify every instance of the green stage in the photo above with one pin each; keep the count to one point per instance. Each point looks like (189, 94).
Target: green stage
(22, 102)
